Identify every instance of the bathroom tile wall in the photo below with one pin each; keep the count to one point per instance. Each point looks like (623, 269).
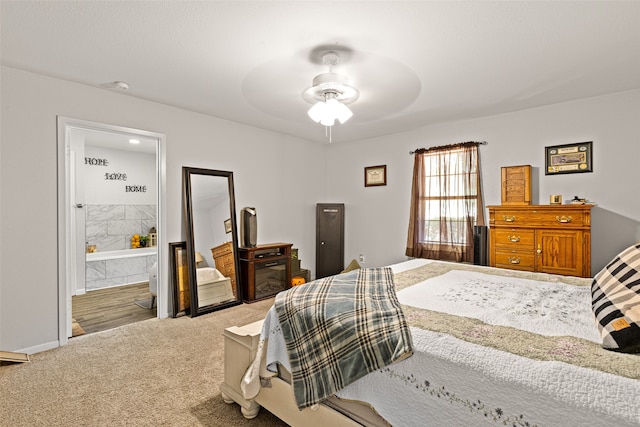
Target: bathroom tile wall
(110, 227)
(118, 271)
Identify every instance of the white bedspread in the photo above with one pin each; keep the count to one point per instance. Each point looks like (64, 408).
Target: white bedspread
(456, 383)
(452, 382)
(545, 308)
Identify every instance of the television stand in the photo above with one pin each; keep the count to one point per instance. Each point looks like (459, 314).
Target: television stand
(265, 270)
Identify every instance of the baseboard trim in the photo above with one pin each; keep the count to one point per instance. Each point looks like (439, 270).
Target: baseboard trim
(39, 348)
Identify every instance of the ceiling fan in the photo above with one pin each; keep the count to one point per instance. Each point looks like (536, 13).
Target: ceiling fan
(330, 94)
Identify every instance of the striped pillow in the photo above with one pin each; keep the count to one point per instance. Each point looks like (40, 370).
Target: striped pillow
(615, 295)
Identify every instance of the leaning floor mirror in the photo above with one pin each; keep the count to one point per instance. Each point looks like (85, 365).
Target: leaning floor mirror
(212, 239)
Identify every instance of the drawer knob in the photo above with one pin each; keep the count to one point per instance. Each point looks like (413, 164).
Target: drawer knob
(509, 218)
(514, 260)
(539, 250)
(563, 219)
(514, 239)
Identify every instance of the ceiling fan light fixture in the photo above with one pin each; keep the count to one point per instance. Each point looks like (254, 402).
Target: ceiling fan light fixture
(331, 83)
(329, 95)
(317, 111)
(327, 121)
(342, 112)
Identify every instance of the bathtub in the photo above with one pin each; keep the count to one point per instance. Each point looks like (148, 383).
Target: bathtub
(124, 253)
(116, 268)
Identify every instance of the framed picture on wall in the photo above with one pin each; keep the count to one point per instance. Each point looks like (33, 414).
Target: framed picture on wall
(227, 225)
(375, 175)
(568, 158)
(179, 277)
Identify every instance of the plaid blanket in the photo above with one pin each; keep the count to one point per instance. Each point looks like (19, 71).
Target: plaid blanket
(339, 329)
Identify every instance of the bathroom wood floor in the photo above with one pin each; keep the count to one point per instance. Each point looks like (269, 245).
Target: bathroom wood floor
(109, 308)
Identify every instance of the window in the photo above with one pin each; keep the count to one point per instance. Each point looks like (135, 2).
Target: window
(446, 203)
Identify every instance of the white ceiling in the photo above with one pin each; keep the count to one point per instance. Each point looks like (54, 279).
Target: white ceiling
(119, 141)
(414, 62)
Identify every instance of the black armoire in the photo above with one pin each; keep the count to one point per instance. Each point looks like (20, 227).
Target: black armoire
(329, 239)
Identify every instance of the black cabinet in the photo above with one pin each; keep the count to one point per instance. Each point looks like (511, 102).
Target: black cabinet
(329, 239)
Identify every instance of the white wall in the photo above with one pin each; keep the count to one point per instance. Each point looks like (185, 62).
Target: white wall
(377, 217)
(284, 177)
(132, 169)
(28, 199)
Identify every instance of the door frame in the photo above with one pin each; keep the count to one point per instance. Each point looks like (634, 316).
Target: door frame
(64, 125)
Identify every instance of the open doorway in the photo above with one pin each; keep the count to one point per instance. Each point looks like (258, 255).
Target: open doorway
(107, 308)
(111, 200)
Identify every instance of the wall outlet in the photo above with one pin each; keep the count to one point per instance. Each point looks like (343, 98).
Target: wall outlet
(361, 258)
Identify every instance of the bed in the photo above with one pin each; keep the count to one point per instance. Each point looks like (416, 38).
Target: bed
(489, 347)
(213, 286)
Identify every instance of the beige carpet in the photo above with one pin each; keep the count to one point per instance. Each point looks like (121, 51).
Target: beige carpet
(150, 373)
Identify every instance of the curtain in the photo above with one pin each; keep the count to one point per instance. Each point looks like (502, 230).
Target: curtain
(446, 202)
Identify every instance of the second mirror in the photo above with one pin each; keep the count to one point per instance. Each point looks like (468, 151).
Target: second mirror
(212, 243)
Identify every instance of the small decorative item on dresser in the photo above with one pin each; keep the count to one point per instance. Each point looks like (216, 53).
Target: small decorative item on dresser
(578, 201)
(516, 185)
(555, 199)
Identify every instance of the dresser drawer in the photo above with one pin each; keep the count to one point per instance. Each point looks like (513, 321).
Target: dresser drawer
(515, 238)
(559, 218)
(226, 261)
(224, 249)
(518, 260)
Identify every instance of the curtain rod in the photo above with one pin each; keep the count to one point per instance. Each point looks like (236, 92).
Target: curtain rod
(427, 149)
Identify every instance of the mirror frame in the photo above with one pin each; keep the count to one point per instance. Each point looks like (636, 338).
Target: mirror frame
(187, 173)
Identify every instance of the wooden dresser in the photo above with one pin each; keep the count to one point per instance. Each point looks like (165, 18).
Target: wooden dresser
(544, 238)
(225, 262)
